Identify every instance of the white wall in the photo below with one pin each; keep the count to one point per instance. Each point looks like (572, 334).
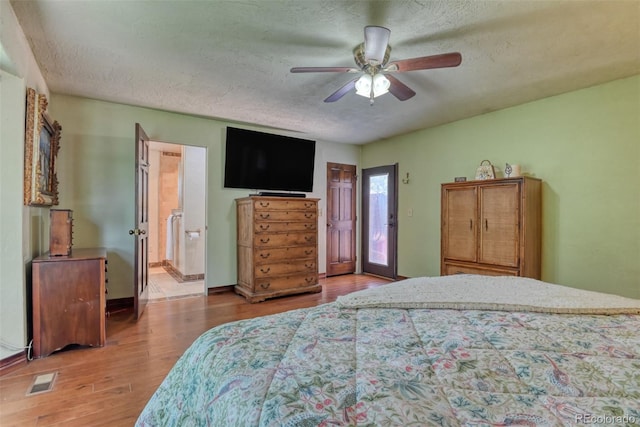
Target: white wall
(154, 173)
(194, 175)
(12, 280)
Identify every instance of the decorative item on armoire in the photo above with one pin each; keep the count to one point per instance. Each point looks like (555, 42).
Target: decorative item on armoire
(507, 170)
(485, 171)
(511, 171)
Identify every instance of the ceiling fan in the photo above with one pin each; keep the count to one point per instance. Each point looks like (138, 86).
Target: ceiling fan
(372, 58)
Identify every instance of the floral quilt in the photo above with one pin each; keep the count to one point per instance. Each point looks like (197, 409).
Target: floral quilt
(334, 365)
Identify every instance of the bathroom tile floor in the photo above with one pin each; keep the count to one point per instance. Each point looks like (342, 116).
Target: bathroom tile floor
(162, 286)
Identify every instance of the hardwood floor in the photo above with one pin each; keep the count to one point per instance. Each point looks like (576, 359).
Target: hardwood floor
(112, 384)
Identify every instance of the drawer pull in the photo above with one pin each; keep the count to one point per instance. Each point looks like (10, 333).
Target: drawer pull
(265, 285)
(265, 256)
(262, 240)
(265, 271)
(308, 265)
(309, 226)
(265, 216)
(264, 204)
(309, 280)
(308, 205)
(264, 227)
(308, 252)
(308, 238)
(308, 215)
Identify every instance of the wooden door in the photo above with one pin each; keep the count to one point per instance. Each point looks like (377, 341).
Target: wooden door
(141, 230)
(379, 221)
(459, 227)
(499, 228)
(341, 219)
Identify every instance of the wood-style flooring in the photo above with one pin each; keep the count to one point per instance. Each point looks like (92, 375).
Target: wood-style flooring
(109, 386)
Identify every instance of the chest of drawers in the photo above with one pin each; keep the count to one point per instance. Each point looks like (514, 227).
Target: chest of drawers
(68, 299)
(277, 247)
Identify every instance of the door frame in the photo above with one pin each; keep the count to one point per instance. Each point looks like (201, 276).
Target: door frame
(390, 270)
(204, 234)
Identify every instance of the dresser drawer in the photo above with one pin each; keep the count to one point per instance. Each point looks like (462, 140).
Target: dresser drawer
(284, 239)
(289, 204)
(289, 253)
(269, 284)
(275, 227)
(262, 216)
(450, 269)
(286, 267)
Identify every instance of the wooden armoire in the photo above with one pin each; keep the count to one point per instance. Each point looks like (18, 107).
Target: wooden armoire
(277, 247)
(492, 227)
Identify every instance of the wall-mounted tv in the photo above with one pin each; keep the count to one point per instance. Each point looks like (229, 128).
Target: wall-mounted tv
(263, 161)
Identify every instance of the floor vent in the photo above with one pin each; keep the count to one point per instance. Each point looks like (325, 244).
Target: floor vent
(42, 383)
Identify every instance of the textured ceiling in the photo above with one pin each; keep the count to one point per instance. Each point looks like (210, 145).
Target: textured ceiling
(230, 60)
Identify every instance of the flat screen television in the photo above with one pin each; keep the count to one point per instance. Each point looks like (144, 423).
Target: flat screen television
(263, 161)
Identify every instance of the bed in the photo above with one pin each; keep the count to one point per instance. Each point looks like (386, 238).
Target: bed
(461, 350)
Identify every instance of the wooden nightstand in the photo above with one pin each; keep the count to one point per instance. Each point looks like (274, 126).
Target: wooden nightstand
(68, 295)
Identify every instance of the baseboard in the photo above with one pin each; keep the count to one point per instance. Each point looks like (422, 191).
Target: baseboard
(119, 304)
(176, 274)
(219, 289)
(384, 277)
(11, 363)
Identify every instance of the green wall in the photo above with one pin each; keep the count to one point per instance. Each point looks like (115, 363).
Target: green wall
(13, 326)
(584, 145)
(95, 171)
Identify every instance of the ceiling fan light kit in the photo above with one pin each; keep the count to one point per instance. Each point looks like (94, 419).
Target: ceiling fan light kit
(377, 83)
(372, 58)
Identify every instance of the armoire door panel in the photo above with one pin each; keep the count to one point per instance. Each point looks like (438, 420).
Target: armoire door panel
(460, 218)
(499, 234)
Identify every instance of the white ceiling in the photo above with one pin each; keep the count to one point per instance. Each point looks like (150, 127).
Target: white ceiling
(230, 60)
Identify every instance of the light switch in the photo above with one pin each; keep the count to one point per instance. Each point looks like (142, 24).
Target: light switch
(410, 212)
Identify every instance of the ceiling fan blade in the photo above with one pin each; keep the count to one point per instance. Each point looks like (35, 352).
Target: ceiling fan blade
(342, 91)
(376, 40)
(444, 60)
(399, 89)
(324, 70)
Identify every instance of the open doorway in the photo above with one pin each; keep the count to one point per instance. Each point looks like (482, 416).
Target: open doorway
(177, 220)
